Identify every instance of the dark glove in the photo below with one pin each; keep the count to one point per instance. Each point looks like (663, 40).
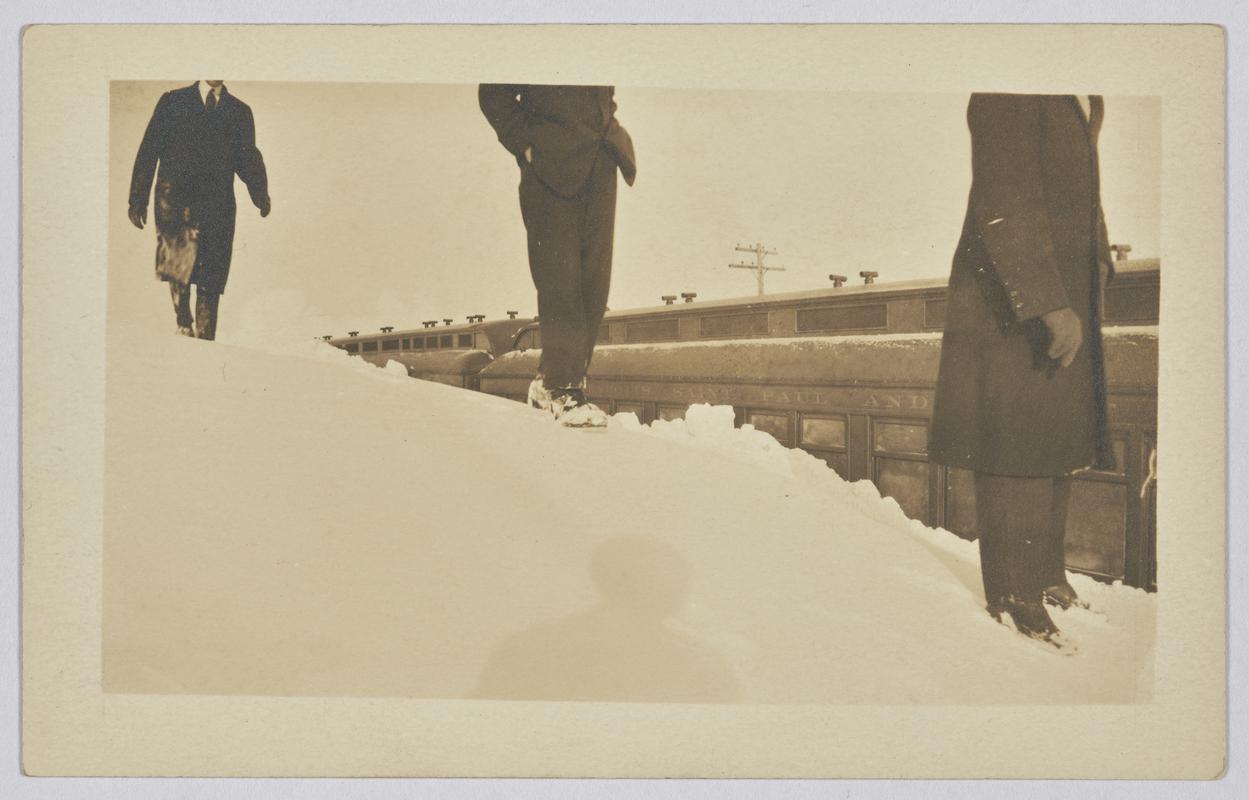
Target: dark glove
(138, 216)
(265, 206)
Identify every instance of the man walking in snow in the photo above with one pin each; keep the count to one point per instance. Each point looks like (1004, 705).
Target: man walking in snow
(1021, 393)
(568, 145)
(202, 136)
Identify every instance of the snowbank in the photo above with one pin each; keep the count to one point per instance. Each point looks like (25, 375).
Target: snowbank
(304, 523)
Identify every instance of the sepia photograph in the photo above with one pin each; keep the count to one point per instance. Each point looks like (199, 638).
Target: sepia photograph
(616, 400)
(958, 456)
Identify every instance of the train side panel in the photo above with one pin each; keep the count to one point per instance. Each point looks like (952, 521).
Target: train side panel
(863, 404)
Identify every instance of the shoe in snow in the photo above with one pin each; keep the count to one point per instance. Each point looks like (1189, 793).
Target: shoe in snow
(1032, 620)
(572, 410)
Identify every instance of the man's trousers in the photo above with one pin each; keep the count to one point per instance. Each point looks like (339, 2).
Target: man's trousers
(1021, 524)
(206, 304)
(570, 250)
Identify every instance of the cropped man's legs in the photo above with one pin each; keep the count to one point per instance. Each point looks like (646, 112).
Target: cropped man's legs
(206, 304)
(180, 294)
(1055, 543)
(1014, 520)
(552, 225)
(597, 235)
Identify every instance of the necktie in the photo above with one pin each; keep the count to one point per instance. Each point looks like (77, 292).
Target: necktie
(210, 102)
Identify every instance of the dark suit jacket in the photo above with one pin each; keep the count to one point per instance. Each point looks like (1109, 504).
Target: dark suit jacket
(199, 153)
(1032, 239)
(567, 127)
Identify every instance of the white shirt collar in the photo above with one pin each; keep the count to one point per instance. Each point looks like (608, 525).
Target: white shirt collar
(204, 89)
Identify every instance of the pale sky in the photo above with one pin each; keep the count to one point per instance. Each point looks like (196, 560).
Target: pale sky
(394, 203)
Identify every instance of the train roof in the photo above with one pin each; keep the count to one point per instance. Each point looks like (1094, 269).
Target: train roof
(866, 291)
(459, 327)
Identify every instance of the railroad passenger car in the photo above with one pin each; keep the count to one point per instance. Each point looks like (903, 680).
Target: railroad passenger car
(451, 354)
(916, 306)
(848, 374)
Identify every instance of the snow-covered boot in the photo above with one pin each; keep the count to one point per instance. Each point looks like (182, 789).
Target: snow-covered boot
(572, 410)
(1032, 620)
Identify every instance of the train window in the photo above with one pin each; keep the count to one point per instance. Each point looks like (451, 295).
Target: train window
(671, 412)
(445, 341)
(465, 340)
(823, 432)
(960, 502)
(629, 408)
(529, 340)
(838, 461)
(906, 482)
(1131, 304)
(431, 342)
(934, 314)
(1096, 535)
(898, 437)
(843, 318)
(390, 344)
(604, 333)
(407, 343)
(724, 325)
(1118, 449)
(418, 343)
(351, 347)
(775, 424)
(368, 347)
(651, 330)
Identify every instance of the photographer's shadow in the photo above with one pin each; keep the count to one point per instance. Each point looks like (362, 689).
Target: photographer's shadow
(624, 649)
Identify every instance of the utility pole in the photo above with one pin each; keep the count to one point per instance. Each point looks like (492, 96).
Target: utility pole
(759, 269)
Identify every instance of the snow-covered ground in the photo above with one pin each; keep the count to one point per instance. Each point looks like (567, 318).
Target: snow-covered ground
(299, 522)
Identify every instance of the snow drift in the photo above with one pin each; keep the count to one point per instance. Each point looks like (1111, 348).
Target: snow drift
(304, 523)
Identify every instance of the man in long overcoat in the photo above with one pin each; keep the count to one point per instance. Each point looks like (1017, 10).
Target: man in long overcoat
(1021, 393)
(202, 136)
(568, 145)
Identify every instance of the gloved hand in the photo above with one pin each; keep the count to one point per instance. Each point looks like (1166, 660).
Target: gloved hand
(1066, 335)
(138, 216)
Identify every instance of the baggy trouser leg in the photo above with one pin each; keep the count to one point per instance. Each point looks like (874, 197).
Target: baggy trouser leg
(1013, 522)
(598, 234)
(180, 294)
(552, 226)
(1055, 557)
(206, 304)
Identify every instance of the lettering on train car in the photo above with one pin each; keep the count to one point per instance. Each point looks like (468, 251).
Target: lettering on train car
(915, 402)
